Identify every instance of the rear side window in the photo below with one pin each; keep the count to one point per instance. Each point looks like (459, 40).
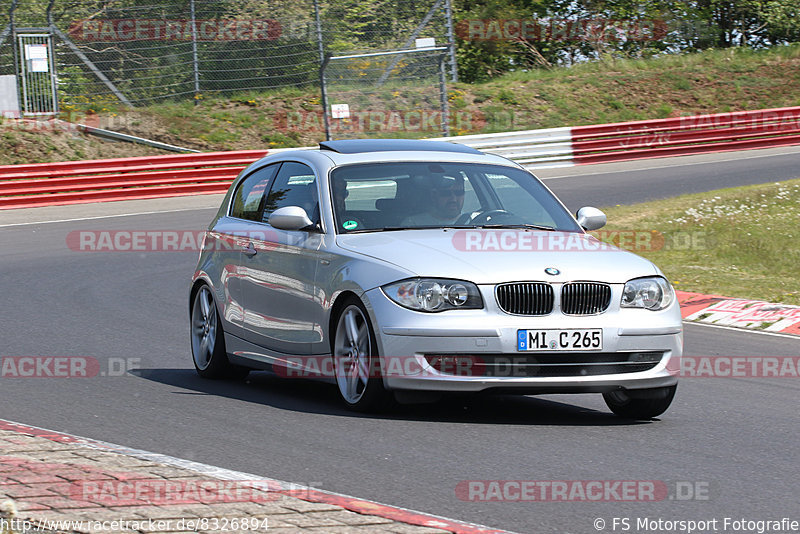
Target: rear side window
(295, 185)
(249, 196)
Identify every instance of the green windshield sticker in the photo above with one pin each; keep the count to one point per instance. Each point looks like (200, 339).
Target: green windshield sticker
(350, 225)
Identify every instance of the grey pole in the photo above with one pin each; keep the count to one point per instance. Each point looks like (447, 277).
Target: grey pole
(53, 65)
(323, 63)
(14, 52)
(195, 65)
(324, 90)
(451, 41)
(443, 97)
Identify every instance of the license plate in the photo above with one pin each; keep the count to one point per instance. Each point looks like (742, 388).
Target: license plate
(560, 340)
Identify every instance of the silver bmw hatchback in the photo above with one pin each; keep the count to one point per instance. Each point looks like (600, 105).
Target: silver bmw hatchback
(402, 269)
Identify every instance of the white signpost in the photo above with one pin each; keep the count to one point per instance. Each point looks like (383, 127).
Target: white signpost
(340, 111)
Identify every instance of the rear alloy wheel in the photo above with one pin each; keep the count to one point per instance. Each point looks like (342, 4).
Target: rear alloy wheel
(208, 340)
(640, 403)
(355, 359)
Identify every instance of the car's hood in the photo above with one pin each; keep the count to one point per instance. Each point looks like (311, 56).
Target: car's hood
(493, 256)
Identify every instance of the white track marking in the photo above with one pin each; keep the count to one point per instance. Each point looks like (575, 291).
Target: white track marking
(106, 216)
(661, 166)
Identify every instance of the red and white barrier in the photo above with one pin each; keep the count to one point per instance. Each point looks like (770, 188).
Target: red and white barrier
(76, 182)
(43, 184)
(625, 141)
(686, 135)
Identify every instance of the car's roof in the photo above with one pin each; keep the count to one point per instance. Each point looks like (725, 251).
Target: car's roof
(422, 156)
(360, 146)
(351, 151)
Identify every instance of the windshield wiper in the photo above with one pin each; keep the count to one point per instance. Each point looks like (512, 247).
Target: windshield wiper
(384, 229)
(452, 227)
(521, 225)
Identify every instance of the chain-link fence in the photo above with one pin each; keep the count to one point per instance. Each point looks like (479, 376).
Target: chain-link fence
(135, 52)
(400, 89)
(382, 93)
(6, 58)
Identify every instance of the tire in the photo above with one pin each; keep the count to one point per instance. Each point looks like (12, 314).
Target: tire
(356, 362)
(208, 339)
(640, 403)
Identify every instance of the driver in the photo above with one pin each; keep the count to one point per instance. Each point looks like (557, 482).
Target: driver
(447, 199)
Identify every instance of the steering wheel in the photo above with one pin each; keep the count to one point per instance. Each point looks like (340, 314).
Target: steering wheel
(486, 216)
(464, 217)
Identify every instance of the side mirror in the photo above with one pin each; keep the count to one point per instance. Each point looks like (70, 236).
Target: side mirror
(290, 218)
(591, 218)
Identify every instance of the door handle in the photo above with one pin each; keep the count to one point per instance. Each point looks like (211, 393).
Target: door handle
(249, 250)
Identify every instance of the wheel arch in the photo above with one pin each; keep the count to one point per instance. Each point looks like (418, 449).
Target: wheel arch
(336, 308)
(199, 281)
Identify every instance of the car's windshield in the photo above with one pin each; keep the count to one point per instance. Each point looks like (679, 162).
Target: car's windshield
(389, 196)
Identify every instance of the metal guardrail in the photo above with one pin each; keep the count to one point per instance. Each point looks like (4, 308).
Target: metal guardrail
(551, 147)
(116, 136)
(73, 182)
(580, 145)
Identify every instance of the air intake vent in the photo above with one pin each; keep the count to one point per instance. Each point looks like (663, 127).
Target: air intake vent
(585, 298)
(525, 298)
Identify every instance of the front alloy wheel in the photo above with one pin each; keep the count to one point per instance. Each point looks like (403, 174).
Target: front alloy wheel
(355, 359)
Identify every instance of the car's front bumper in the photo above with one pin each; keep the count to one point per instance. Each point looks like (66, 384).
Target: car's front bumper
(409, 342)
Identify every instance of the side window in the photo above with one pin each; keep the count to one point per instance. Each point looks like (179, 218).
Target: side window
(249, 196)
(295, 185)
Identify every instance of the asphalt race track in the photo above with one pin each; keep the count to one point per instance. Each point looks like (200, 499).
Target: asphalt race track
(733, 441)
(651, 179)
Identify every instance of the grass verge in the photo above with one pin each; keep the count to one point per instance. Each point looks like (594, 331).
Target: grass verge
(737, 242)
(612, 90)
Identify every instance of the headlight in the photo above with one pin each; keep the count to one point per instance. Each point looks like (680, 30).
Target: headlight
(434, 294)
(652, 293)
